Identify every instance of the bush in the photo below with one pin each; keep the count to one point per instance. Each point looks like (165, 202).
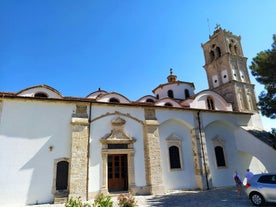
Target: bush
(103, 201)
(126, 200)
(76, 203)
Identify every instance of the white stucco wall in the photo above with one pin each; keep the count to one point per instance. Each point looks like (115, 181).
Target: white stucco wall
(180, 124)
(260, 151)
(27, 130)
(32, 91)
(181, 178)
(200, 101)
(177, 88)
(222, 176)
(242, 150)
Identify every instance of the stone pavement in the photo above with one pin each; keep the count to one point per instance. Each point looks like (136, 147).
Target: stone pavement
(226, 197)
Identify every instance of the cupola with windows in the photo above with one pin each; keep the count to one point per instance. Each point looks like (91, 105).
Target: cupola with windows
(174, 89)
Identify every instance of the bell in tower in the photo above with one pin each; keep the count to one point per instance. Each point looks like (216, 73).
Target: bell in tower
(227, 72)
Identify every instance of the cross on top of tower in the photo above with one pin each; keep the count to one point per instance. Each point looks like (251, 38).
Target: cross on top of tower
(218, 27)
(171, 71)
(171, 78)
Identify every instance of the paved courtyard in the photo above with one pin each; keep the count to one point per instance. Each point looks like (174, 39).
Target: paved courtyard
(226, 197)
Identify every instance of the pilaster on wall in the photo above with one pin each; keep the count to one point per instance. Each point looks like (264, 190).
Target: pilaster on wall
(79, 157)
(153, 154)
(200, 155)
(197, 159)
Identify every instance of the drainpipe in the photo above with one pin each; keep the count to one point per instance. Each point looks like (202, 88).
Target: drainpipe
(202, 150)
(88, 149)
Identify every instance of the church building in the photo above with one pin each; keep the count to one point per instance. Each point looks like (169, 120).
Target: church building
(54, 147)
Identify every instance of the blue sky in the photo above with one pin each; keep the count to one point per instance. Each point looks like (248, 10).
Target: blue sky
(124, 46)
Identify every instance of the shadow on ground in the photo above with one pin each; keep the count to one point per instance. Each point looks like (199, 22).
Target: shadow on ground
(226, 197)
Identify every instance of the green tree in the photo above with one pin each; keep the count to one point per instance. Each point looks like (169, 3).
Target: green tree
(263, 68)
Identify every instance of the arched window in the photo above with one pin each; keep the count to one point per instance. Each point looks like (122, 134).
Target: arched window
(187, 93)
(150, 100)
(114, 100)
(170, 94)
(210, 103)
(218, 52)
(62, 175)
(220, 156)
(230, 48)
(212, 55)
(157, 96)
(41, 95)
(168, 104)
(174, 157)
(236, 50)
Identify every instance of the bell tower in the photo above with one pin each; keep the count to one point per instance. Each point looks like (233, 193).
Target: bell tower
(227, 72)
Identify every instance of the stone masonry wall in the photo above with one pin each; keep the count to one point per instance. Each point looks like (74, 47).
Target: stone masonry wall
(153, 155)
(79, 158)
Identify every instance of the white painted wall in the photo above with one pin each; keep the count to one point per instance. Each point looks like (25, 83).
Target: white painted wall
(222, 176)
(200, 101)
(177, 88)
(266, 155)
(183, 178)
(242, 150)
(27, 130)
(32, 91)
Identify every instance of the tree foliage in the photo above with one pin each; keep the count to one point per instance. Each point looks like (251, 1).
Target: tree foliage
(263, 68)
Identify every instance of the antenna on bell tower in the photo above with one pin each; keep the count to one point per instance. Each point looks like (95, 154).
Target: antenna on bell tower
(208, 22)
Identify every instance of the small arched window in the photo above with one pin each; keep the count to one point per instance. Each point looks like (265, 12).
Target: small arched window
(168, 104)
(150, 100)
(220, 156)
(218, 52)
(114, 100)
(41, 95)
(212, 56)
(157, 96)
(174, 157)
(230, 48)
(236, 50)
(210, 103)
(170, 94)
(187, 93)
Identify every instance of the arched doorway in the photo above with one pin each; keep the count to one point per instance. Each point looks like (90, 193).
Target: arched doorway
(62, 176)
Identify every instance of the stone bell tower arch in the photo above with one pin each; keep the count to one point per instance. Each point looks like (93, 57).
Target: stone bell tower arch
(226, 70)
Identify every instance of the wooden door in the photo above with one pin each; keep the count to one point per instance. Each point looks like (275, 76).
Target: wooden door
(117, 172)
(62, 175)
